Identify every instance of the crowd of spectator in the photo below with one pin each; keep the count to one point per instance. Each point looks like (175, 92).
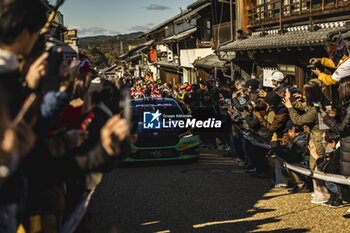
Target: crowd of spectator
(307, 128)
(55, 145)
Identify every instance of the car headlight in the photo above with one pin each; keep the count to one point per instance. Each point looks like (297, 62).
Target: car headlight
(187, 134)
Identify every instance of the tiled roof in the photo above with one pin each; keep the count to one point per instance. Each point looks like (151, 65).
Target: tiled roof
(292, 38)
(209, 62)
(134, 57)
(181, 35)
(197, 3)
(193, 12)
(165, 23)
(171, 65)
(108, 69)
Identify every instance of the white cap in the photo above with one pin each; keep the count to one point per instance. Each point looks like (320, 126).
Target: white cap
(277, 76)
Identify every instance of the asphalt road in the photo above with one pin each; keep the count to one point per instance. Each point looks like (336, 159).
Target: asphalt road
(212, 195)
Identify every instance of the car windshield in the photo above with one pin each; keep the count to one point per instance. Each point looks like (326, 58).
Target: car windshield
(164, 108)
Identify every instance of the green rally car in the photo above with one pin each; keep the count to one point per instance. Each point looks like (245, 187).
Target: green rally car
(159, 136)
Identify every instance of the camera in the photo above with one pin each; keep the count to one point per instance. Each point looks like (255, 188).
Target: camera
(315, 66)
(58, 53)
(312, 66)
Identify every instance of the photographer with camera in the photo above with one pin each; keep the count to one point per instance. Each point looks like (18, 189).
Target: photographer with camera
(274, 102)
(339, 60)
(20, 25)
(280, 85)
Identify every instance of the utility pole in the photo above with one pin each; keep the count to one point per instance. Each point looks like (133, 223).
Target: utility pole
(231, 20)
(121, 46)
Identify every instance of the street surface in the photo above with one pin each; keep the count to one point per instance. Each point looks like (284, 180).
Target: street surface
(212, 195)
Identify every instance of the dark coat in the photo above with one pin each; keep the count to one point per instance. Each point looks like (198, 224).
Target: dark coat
(294, 152)
(12, 190)
(343, 129)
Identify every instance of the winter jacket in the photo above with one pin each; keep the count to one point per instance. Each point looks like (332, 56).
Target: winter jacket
(342, 70)
(309, 118)
(343, 129)
(45, 175)
(11, 80)
(330, 163)
(277, 125)
(295, 151)
(12, 190)
(256, 128)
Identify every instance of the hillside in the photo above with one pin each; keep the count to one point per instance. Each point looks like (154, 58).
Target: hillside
(132, 36)
(104, 50)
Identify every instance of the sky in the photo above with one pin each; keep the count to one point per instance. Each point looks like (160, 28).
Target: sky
(112, 17)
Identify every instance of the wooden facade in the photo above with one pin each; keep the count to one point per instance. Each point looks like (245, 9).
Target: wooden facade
(276, 21)
(169, 77)
(261, 14)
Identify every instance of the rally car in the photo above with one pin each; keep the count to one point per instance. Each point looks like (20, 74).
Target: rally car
(158, 138)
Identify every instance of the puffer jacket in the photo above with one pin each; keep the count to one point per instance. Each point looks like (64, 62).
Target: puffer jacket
(343, 129)
(277, 125)
(309, 118)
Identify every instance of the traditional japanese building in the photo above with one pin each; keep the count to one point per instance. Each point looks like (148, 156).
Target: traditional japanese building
(284, 35)
(190, 36)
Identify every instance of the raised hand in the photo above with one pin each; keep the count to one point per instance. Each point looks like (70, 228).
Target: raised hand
(37, 71)
(287, 103)
(113, 134)
(314, 60)
(287, 96)
(77, 137)
(262, 94)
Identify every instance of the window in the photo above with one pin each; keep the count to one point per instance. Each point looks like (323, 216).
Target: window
(169, 30)
(206, 29)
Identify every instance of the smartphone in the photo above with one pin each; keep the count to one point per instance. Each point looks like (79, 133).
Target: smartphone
(23, 112)
(52, 81)
(57, 54)
(126, 112)
(317, 106)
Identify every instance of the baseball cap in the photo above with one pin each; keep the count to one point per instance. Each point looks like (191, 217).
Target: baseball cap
(277, 76)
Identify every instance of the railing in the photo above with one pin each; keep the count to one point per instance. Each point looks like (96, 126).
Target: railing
(335, 178)
(274, 11)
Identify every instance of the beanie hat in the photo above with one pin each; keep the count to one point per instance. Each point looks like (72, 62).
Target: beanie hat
(273, 99)
(252, 84)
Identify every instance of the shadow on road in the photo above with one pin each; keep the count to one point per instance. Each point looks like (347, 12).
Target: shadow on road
(181, 197)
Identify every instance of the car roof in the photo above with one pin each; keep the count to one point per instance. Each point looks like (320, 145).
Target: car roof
(150, 100)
